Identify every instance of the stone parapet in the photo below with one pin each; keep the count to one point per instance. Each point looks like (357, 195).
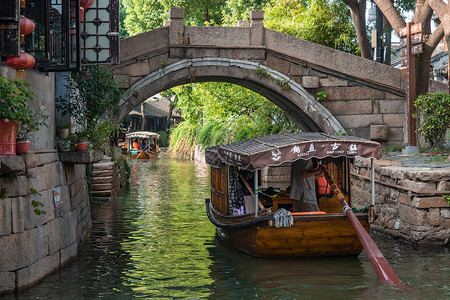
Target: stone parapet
(408, 203)
(33, 245)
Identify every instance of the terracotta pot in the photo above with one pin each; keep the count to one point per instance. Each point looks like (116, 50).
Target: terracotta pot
(22, 147)
(8, 134)
(81, 146)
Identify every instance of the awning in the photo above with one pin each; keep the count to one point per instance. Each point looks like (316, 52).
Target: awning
(273, 150)
(142, 134)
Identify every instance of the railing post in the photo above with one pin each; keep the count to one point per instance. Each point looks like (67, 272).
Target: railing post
(176, 26)
(257, 28)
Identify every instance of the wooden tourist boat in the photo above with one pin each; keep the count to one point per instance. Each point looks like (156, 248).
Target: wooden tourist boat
(253, 229)
(142, 144)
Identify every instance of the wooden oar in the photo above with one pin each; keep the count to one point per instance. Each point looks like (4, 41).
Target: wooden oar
(379, 263)
(260, 205)
(143, 150)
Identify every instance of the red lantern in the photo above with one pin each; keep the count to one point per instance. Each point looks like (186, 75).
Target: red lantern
(20, 63)
(26, 27)
(86, 3)
(81, 13)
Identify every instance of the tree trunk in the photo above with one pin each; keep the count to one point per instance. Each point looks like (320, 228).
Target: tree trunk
(358, 14)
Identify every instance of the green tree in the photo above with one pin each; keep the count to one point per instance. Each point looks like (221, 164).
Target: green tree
(212, 116)
(325, 22)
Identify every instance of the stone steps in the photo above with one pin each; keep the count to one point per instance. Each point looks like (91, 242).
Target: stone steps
(102, 187)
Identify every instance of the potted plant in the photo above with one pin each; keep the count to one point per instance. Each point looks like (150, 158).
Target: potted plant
(14, 96)
(63, 130)
(26, 126)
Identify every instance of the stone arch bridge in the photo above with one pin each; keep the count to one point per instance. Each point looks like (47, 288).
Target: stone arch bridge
(363, 97)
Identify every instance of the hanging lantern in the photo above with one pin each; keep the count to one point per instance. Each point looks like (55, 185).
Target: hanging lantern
(81, 13)
(23, 4)
(20, 63)
(26, 27)
(86, 3)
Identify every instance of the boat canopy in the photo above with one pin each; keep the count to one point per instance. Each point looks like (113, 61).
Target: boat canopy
(142, 134)
(273, 150)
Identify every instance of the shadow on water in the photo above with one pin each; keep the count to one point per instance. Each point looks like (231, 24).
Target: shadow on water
(155, 241)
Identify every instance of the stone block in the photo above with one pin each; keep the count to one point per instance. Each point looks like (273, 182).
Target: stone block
(332, 81)
(353, 93)
(243, 23)
(256, 14)
(7, 282)
(297, 70)
(80, 157)
(354, 107)
(310, 82)
(390, 107)
(394, 120)
(158, 62)
(405, 199)
(379, 133)
(53, 234)
(5, 216)
(447, 223)
(278, 64)
(74, 188)
(101, 166)
(360, 121)
(74, 172)
(16, 187)
(46, 177)
(32, 274)
(176, 13)
(434, 217)
(445, 213)
(68, 231)
(102, 186)
(20, 212)
(68, 253)
(33, 160)
(105, 179)
(12, 164)
(443, 186)
(413, 215)
(429, 202)
(419, 186)
(396, 135)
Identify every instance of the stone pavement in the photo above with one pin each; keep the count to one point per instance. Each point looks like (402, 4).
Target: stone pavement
(418, 160)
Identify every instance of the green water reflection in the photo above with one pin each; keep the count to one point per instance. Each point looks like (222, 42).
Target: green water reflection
(170, 232)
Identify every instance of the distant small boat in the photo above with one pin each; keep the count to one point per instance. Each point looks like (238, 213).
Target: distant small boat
(142, 144)
(252, 227)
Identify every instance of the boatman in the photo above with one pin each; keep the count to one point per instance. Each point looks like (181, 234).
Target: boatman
(303, 187)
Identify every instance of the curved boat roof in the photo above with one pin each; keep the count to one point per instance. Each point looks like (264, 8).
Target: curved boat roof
(141, 134)
(273, 150)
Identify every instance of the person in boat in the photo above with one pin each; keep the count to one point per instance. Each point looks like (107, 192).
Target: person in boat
(303, 188)
(135, 144)
(144, 144)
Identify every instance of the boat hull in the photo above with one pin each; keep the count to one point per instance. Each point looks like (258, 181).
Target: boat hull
(311, 235)
(145, 155)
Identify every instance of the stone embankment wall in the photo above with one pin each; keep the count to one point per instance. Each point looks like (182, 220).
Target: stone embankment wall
(408, 201)
(31, 245)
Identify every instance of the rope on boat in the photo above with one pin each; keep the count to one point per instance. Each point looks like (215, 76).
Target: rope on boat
(283, 218)
(237, 225)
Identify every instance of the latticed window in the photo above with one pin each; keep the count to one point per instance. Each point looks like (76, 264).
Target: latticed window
(61, 41)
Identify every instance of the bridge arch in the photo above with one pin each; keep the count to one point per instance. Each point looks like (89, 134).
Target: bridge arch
(308, 113)
(364, 98)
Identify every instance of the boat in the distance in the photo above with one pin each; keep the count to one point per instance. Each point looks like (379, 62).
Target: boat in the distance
(142, 144)
(253, 225)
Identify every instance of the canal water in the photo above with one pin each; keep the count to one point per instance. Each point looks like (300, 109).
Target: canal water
(155, 241)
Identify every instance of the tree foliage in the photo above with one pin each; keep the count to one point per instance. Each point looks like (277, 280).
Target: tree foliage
(324, 22)
(212, 116)
(435, 117)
